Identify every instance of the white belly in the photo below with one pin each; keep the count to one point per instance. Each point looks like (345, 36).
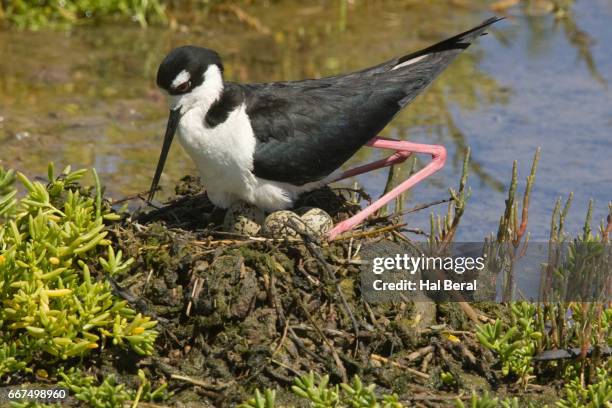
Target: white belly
(224, 158)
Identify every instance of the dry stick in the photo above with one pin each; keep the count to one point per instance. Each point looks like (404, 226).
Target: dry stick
(470, 312)
(335, 355)
(316, 252)
(295, 338)
(417, 231)
(139, 196)
(249, 237)
(371, 232)
(144, 287)
(282, 340)
(467, 353)
(336, 333)
(350, 250)
(198, 382)
(438, 397)
(423, 206)
(279, 312)
(332, 276)
(277, 376)
(400, 236)
(425, 363)
(313, 280)
(303, 347)
(295, 371)
(385, 360)
(419, 353)
(414, 209)
(195, 292)
(240, 244)
(371, 313)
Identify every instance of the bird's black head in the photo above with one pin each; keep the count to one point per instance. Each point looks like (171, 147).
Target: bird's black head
(192, 77)
(184, 67)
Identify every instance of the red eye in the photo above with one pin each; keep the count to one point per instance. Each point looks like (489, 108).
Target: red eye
(184, 86)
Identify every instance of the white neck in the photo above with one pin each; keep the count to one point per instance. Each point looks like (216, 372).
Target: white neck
(202, 96)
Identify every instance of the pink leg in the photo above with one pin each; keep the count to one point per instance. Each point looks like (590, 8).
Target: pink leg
(402, 151)
(398, 157)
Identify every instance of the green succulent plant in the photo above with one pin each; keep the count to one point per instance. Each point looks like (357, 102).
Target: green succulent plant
(50, 241)
(316, 390)
(517, 345)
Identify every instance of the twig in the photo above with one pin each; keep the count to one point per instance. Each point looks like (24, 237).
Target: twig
(371, 314)
(421, 207)
(139, 196)
(248, 238)
(198, 382)
(336, 333)
(295, 371)
(282, 339)
(417, 231)
(305, 349)
(470, 312)
(419, 353)
(437, 397)
(385, 360)
(279, 312)
(332, 349)
(371, 232)
(316, 252)
(197, 287)
(426, 360)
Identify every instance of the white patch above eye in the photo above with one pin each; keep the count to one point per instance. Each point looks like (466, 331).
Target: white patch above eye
(409, 62)
(181, 78)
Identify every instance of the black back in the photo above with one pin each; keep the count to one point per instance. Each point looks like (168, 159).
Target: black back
(307, 129)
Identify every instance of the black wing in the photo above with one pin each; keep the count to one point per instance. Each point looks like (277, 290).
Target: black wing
(307, 129)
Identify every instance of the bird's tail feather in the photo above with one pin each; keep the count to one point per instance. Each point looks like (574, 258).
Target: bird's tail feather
(414, 72)
(457, 42)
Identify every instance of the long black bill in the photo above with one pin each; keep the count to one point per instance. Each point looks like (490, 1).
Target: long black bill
(173, 120)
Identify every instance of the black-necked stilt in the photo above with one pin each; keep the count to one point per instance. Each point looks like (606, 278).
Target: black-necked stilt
(267, 143)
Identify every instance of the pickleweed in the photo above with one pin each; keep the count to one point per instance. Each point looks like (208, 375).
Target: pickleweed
(52, 240)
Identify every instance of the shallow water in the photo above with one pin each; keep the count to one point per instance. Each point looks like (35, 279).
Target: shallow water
(88, 97)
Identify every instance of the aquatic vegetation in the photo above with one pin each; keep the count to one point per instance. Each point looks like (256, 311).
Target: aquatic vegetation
(110, 393)
(317, 391)
(54, 254)
(559, 322)
(598, 394)
(267, 400)
(65, 13)
(516, 346)
(486, 401)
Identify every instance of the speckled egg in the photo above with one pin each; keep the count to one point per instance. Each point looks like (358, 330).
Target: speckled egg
(278, 224)
(243, 218)
(318, 221)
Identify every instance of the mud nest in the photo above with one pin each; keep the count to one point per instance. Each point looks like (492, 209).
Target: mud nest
(237, 313)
